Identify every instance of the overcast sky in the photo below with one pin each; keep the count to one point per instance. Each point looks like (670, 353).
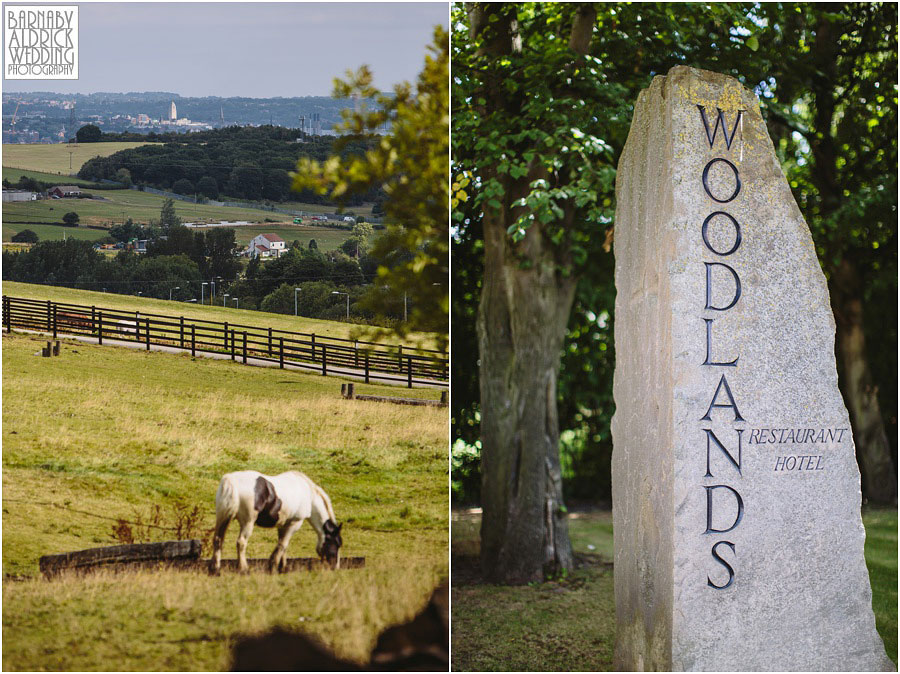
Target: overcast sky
(243, 49)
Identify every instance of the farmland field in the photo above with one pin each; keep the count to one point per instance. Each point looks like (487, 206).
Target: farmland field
(117, 205)
(327, 238)
(102, 433)
(210, 313)
(53, 232)
(54, 158)
(13, 175)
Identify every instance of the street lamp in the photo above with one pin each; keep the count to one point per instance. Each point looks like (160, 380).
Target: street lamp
(296, 290)
(202, 288)
(212, 288)
(224, 298)
(170, 291)
(237, 302)
(335, 292)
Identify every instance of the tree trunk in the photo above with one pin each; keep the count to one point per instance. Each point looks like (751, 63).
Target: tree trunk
(522, 320)
(879, 477)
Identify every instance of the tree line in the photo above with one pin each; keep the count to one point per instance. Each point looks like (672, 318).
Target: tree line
(251, 163)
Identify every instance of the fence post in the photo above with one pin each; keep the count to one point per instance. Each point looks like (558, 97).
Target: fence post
(367, 367)
(93, 319)
(324, 359)
(409, 371)
(312, 348)
(355, 353)
(232, 345)
(147, 331)
(193, 342)
(99, 326)
(443, 397)
(400, 358)
(225, 336)
(55, 325)
(181, 333)
(281, 352)
(245, 347)
(7, 315)
(270, 342)
(49, 314)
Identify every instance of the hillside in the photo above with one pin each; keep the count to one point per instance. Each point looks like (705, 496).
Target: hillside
(104, 433)
(55, 158)
(212, 313)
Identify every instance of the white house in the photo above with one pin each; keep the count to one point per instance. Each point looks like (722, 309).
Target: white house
(266, 245)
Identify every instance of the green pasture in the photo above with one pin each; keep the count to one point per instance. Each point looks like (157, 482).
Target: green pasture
(53, 232)
(327, 238)
(54, 158)
(13, 175)
(570, 624)
(206, 312)
(113, 207)
(103, 433)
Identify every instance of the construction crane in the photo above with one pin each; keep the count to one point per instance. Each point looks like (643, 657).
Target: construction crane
(13, 122)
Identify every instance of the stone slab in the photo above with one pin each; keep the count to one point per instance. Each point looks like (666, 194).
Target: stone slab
(736, 493)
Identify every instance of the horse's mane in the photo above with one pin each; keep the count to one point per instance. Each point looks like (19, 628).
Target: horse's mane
(321, 493)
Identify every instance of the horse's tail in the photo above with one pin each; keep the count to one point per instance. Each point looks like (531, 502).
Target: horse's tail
(226, 500)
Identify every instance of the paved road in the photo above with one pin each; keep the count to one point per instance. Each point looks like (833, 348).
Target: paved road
(345, 372)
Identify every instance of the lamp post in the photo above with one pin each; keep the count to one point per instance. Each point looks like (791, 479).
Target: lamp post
(172, 289)
(296, 290)
(335, 292)
(202, 288)
(237, 302)
(224, 298)
(212, 291)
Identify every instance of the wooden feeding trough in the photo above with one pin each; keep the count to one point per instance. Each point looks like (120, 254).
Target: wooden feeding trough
(184, 555)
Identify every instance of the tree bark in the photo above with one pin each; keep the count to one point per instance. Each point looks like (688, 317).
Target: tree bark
(522, 320)
(879, 476)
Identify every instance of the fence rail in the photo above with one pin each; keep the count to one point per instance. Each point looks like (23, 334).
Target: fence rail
(370, 361)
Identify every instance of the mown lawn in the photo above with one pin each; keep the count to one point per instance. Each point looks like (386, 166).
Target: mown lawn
(54, 232)
(102, 433)
(206, 312)
(569, 625)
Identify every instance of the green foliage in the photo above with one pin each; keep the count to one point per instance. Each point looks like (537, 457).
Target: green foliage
(561, 121)
(167, 217)
(411, 166)
(208, 187)
(183, 186)
(89, 133)
(123, 175)
(71, 219)
(25, 236)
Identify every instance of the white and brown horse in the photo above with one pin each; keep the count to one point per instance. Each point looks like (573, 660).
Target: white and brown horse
(282, 501)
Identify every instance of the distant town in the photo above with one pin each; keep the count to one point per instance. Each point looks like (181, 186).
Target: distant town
(46, 117)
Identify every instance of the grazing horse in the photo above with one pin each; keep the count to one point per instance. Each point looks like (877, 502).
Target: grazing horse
(282, 501)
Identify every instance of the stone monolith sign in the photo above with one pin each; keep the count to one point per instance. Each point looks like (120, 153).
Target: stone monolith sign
(736, 493)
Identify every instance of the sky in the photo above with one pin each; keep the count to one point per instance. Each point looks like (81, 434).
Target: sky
(251, 49)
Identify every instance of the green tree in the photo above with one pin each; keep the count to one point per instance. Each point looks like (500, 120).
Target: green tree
(208, 187)
(411, 166)
(183, 186)
(123, 175)
(70, 219)
(167, 217)
(89, 133)
(25, 236)
(313, 245)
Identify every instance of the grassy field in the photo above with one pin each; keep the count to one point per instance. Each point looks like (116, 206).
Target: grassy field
(54, 232)
(13, 175)
(101, 433)
(210, 313)
(327, 238)
(569, 625)
(54, 158)
(118, 205)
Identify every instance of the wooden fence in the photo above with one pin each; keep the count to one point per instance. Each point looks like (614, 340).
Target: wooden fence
(370, 361)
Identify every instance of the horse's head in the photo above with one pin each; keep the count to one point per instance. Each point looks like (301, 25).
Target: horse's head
(330, 549)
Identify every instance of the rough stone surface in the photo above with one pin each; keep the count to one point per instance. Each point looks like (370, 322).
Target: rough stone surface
(799, 598)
